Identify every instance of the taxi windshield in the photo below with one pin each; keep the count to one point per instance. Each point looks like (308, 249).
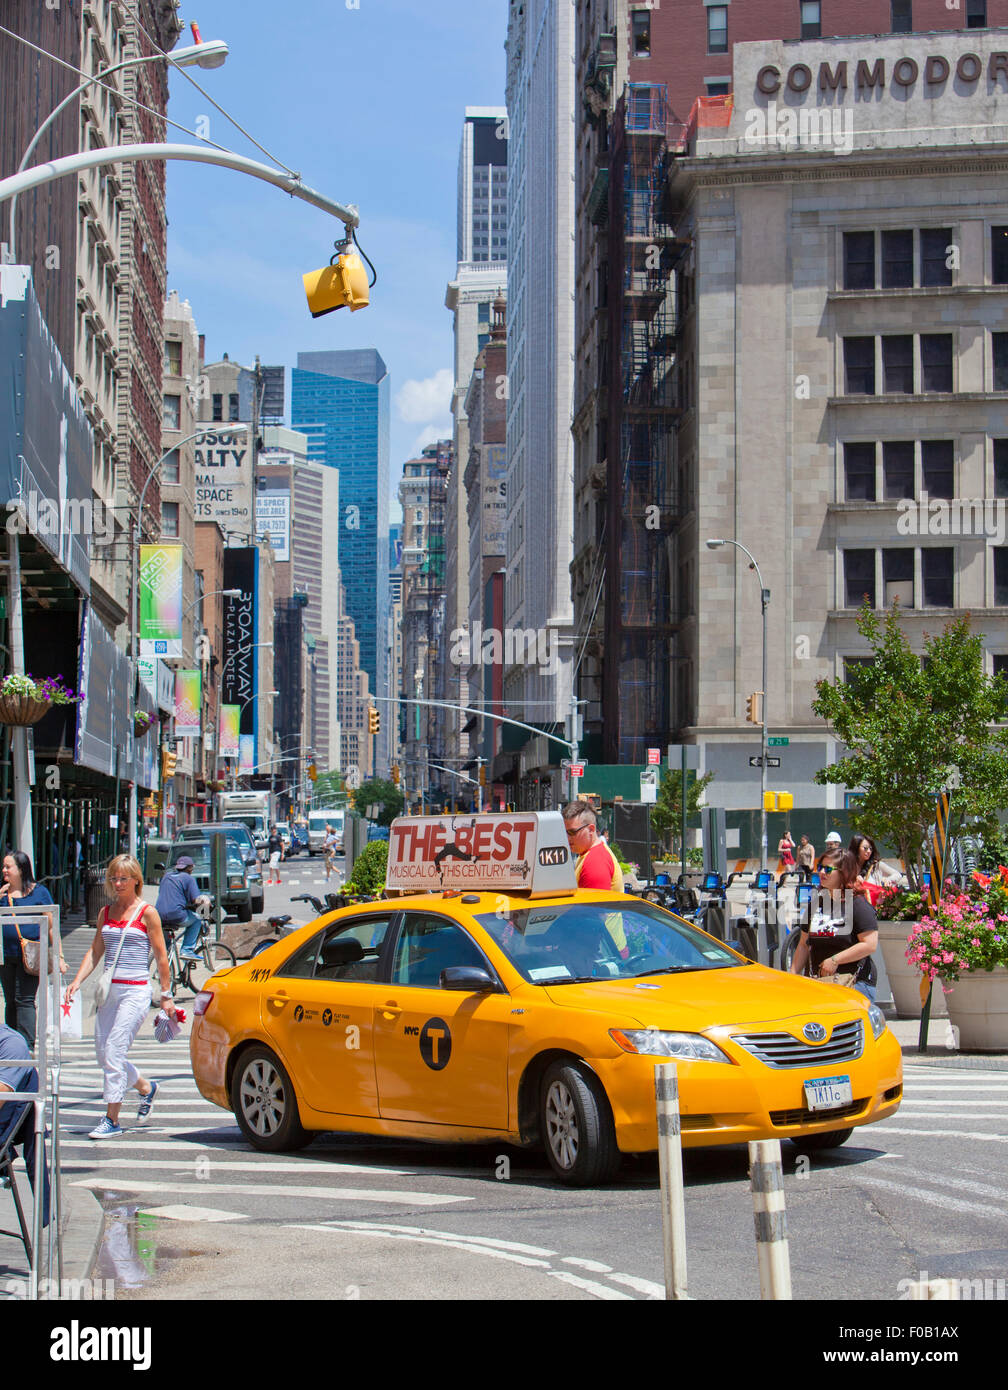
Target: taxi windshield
(564, 943)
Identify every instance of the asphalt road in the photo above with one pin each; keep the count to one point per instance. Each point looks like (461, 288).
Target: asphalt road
(195, 1213)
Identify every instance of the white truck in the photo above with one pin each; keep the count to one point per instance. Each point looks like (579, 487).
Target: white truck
(317, 822)
(254, 809)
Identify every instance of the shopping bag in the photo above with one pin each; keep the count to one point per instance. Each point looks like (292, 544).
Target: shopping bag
(71, 1023)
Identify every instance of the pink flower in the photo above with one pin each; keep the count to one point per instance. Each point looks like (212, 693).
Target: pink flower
(947, 957)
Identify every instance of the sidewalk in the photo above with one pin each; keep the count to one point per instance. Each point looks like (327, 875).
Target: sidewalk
(941, 1050)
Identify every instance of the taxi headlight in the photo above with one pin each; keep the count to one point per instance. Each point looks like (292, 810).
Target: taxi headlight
(877, 1018)
(652, 1042)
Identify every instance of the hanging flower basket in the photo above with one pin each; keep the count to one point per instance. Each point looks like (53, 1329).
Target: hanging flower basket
(141, 723)
(22, 710)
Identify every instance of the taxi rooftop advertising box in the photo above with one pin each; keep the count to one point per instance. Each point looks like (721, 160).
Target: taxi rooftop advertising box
(524, 852)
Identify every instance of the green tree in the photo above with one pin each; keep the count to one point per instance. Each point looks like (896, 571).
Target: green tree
(385, 795)
(906, 722)
(666, 816)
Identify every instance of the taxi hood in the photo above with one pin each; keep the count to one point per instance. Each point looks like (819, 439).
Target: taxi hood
(745, 996)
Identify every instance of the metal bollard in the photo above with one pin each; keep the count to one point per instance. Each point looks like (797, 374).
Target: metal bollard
(767, 1181)
(670, 1167)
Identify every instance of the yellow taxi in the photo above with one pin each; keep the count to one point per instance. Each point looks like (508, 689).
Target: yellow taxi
(487, 997)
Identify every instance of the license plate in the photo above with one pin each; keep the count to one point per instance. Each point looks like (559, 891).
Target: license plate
(828, 1092)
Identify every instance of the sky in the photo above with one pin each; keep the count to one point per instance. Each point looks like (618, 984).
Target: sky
(365, 99)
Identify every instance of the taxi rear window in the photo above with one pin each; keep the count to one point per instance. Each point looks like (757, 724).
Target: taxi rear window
(563, 943)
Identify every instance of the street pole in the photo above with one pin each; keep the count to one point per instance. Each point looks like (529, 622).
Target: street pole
(573, 743)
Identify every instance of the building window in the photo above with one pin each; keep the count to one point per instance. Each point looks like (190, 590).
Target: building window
(897, 469)
(170, 468)
(172, 419)
(169, 518)
(1001, 467)
(853, 664)
(483, 312)
(217, 402)
(859, 472)
(859, 260)
(859, 578)
(640, 41)
(717, 29)
(897, 363)
(902, 17)
(999, 255)
(1000, 660)
(811, 19)
(1000, 361)
(718, 86)
(172, 358)
(937, 569)
(938, 467)
(233, 406)
(935, 244)
(936, 361)
(898, 577)
(897, 260)
(859, 366)
(976, 14)
(1001, 576)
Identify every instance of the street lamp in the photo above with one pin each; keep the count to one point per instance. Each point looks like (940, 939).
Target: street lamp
(135, 604)
(716, 543)
(211, 54)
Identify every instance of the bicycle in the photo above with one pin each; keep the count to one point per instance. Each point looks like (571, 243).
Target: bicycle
(216, 956)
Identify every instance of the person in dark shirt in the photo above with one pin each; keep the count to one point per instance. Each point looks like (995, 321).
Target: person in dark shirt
(854, 938)
(176, 899)
(18, 1074)
(20, 988)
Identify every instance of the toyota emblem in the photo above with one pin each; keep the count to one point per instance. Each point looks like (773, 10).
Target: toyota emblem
(815, 1032)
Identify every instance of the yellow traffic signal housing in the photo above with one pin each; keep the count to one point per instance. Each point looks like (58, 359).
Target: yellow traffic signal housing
(778, 801)
(343, 282)
(312, 771)
(754, 712)
(395, 774)
(168, 760)
(482, 774)
(769, 801)
(374, 720)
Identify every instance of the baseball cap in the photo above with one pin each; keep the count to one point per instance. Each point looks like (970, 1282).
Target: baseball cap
(833, 838)
(184, 863)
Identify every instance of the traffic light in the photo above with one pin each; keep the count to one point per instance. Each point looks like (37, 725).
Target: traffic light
(342, 282)
(168, 760)
(374, 720)
(312, 771)
(753, 708)
(482, 774)
(395, 774)
(778, 801)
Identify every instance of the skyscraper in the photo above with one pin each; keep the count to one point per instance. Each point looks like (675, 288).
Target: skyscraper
(341, 401)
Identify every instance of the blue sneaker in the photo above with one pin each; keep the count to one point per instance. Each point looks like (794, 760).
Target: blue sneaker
(193, 957)
(147, 1101)
(106, 1130)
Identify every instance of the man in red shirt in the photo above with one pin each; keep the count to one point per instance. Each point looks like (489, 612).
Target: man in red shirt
(596, 865)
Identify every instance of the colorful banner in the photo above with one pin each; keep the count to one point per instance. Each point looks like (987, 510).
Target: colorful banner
(229, 717)
(160, 600)
(188, 698)
(246, 761)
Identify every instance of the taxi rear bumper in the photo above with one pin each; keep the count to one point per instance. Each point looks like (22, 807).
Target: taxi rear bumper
(739, 1101)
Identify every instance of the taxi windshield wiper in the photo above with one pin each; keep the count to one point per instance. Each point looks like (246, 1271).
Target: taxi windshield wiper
(576, 980)
(670, 970)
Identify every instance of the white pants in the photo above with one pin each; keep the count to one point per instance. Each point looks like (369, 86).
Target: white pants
(274, 864)
(116, 1025)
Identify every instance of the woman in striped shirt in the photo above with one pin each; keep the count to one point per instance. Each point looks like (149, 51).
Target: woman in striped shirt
(129, 930)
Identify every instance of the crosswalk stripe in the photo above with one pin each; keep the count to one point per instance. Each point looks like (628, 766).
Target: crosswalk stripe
(981, 1189)
(941, 1199)
(327, 1194)
(215, 1164)
(938, 1133)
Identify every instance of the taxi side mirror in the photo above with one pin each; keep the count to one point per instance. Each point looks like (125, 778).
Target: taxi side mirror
(469, 979)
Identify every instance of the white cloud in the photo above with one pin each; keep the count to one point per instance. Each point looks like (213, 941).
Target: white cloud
(430, 434)
(420, 401)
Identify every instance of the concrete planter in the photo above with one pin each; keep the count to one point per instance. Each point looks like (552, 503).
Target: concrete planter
(978, 1007)
(905, 979)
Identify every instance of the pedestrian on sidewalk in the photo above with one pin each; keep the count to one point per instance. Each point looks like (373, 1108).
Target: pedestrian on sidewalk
(176, 900)
(806, 859)
(129, 931)
(329, 850)
(275, 847)
(20, 987)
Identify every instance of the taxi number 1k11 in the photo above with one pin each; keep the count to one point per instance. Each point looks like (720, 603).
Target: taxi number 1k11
(828, 1092)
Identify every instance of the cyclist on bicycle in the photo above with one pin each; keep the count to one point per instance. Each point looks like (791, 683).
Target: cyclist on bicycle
(176, 899)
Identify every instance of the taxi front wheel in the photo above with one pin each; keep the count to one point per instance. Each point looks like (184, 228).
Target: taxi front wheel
(577, 1126)
(265, 1105)
(832, 1139)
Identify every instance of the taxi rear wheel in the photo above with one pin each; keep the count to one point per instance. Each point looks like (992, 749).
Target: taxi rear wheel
(577, 1126)
(831, 1139)
(265, 1105)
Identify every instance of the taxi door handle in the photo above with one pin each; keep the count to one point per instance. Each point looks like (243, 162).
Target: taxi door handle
(390, 1010)
(279, 998)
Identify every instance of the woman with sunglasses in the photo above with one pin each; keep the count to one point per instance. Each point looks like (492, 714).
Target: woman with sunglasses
(845, 945)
